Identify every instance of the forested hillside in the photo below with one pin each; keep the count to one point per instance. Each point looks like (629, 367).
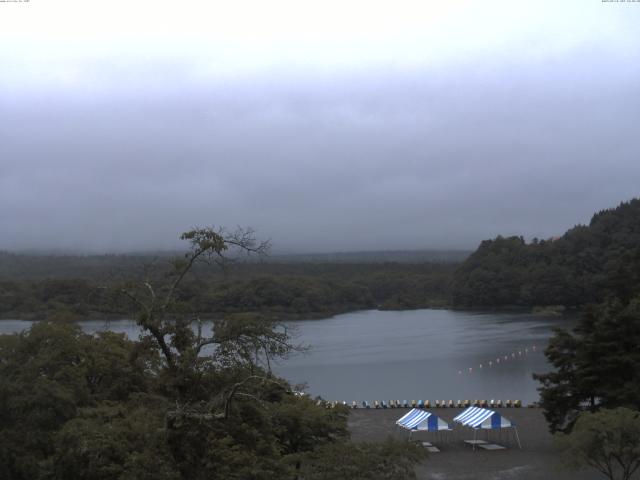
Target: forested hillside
(586, 265)
(165, 407)
(75, 288)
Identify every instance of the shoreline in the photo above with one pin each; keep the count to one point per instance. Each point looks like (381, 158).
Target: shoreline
(298, 317)
(538, 459)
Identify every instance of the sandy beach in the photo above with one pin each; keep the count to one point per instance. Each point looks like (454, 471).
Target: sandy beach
(457, 461)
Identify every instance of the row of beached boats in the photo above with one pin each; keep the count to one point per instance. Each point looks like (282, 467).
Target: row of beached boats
(425, 404)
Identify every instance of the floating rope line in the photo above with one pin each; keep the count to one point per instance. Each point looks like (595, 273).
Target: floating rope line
(522, 352)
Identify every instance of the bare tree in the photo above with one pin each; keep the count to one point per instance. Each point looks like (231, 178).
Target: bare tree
(245, 344)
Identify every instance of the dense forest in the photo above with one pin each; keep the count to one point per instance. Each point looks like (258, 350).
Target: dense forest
(72, 287)
(102, 407)
(75, 405)
(587, 265)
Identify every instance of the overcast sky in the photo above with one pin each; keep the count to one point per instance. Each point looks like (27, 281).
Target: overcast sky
(326, 125)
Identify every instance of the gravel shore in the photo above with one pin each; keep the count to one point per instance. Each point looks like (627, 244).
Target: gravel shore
(457, 461)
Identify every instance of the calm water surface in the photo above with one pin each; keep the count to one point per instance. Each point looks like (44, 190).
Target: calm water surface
(418, 354)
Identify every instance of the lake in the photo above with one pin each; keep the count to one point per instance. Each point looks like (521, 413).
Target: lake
(415, 354)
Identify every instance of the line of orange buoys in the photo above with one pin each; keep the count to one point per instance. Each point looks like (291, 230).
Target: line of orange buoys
(504, 358)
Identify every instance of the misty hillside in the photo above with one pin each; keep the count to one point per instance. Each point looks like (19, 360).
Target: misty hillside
(381, 256)
(38, 287)
(21, 266)
(586, 265)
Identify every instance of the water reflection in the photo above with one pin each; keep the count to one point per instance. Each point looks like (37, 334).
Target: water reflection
(419, 354)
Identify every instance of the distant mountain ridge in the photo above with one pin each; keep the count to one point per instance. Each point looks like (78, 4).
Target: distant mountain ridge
(16, 266)
(585, 265)
(378, 256)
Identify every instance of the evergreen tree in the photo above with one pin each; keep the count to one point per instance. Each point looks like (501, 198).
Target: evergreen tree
(596, 366)
(588, 264)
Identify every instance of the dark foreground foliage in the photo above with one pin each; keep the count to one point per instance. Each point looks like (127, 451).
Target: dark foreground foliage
(74, 405)
(179, 403)
(608, 441)
(363, 461)
(597, 365)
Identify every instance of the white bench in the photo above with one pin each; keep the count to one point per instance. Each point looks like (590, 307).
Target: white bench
(430, 447)
(492, 446)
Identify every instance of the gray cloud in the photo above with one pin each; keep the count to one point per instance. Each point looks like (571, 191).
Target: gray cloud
(321, 161)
